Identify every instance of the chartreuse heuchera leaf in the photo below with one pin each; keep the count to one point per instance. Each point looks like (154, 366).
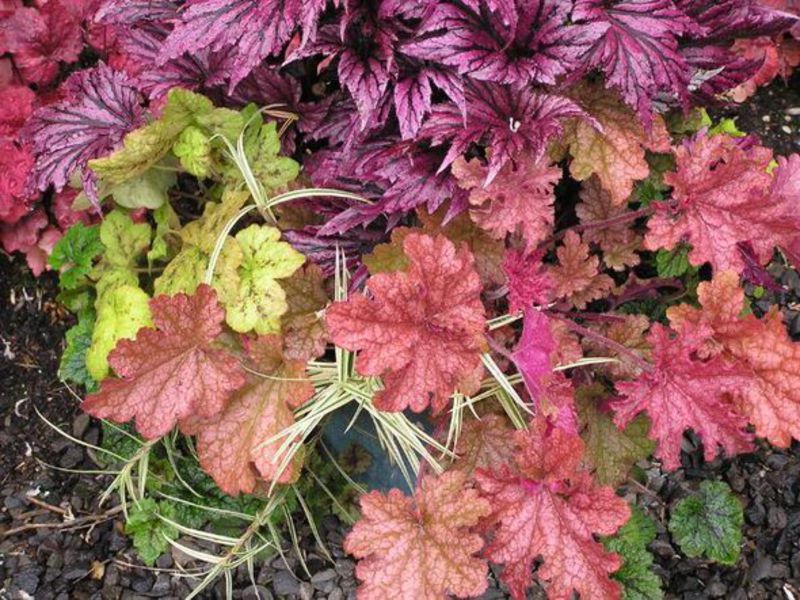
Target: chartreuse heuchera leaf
(251, 293)
(709, 523)
(638, 580)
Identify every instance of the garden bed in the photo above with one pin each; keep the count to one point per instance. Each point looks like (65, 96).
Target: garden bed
(57, 543)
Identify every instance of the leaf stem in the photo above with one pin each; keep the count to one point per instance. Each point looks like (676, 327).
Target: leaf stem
(608, 343)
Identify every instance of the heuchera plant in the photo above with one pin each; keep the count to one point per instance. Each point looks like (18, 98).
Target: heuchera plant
(504, 234)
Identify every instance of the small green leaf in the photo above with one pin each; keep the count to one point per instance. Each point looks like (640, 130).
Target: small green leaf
(193, 148)
(263, 154)
(709, 523)
(73, 360)
(73, 254)
(638, 580)
(726, 127)
(150, 533)
(148, 190)
(672, 263)
(124, 241)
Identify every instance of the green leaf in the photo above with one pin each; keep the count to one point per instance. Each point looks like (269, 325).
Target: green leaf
(709, 523)
(259, 300)
(636, 575)
(726, 127)
(121, 312)
(148, 190)
(612, 452)
(124, 241)
(193, 148)
(73, 360)
(183, 273)
(73, 254)
(149, 532)
(673, 263)
(263, 155)
(166, 221)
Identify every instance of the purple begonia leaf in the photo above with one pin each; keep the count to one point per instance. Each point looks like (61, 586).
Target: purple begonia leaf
(129, 12)
(532, 354)
(413, 93)
(200, 71)
(716, 70)
(322, 249)
(254, 29)
(638, 52)
(506, 119)
(100, 106)
(725, 20)
(522, 42)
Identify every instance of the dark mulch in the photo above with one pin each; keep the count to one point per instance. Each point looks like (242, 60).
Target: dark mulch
(55, 542)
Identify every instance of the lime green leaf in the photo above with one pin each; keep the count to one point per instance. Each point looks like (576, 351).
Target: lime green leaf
(166, 222)
(124, 240)
(183, 273)
(223, 122)
(263, 155)
(673, 263)
(636, 575)
(726, 127)
(121, 312)
(204, 232)
(259, 300)
(150, 533)
(73, 360)
(73, 254)
(709, 523)
(193, 148)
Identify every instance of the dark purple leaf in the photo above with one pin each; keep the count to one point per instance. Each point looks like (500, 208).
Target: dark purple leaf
(100, 106)
(251, 29)
(506, 119)
(725, 20)
(638, 51)
(322, 249)
(519, 42)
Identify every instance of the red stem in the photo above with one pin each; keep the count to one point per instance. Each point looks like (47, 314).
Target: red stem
(611, 344)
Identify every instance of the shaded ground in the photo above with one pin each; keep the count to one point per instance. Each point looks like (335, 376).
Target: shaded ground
(55, 542)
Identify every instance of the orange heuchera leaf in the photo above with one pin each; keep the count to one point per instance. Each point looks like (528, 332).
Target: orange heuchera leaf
(629, 331)
(615, 151)
(420, 547)
(529, 283)
(721, 196)
(618, 242)
(761, 347)
(520, 198)
(545, 506)
(231, 446)
(577, 277)
(173, 372)
(422, 330)
(682, 392)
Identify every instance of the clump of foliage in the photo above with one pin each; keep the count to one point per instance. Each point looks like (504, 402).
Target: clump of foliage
(505, 236)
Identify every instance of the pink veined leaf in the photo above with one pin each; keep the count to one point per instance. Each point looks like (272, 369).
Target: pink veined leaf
(232, 446)
(638, 51)
(512, 42)
(422, 330)
(510, 119)
(173, 372)
(420, 547)
(545, 507)
(520, 199)
(681, 392)
(532, 354)
(253, 29)
(721, 192)
(100, 106)
(130, 12)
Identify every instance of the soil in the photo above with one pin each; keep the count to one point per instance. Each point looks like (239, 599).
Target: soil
(57, 543)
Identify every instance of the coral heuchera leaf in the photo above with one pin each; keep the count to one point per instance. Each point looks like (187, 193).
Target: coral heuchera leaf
(682, 392)
(422, 330)
(172, 372)
(722, 196)
(232, 446)
(420, 547)
(546, 507)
